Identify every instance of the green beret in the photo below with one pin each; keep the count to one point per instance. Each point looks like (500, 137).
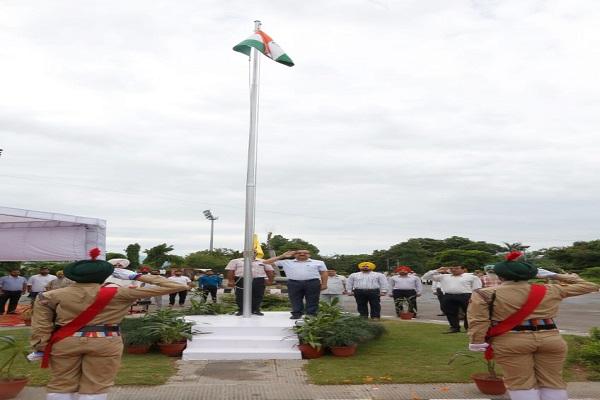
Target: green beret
(89, 271)
(513, 270)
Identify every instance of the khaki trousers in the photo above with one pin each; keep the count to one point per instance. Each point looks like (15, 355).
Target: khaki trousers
(531, 359)
(84, 365)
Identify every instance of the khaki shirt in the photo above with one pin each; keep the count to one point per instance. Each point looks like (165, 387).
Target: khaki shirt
(510, 297)
(61, 306)
(59, 283)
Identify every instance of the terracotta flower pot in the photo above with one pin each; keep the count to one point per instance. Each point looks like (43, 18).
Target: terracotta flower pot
(310, 352)
(488, 385)
(172, 349)
(27, 322)
(406, 315)
(11, 388)
(343, 351)
(137, 348)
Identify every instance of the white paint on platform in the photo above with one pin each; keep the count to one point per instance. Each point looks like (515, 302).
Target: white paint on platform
(231, 337)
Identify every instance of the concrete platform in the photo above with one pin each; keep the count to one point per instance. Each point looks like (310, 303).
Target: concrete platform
(230, 337)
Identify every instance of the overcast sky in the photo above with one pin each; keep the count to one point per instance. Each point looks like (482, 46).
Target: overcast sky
(400, 119)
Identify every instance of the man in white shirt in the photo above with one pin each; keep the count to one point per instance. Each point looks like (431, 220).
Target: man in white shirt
(305, 280)
(457, 287)
(367, 286)
(336, 287)
(184, 280)
(405, 288)
(262, 275)
(37, 283)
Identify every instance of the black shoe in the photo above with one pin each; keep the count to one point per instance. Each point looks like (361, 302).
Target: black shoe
(441, 315)
(258, 313)
(296, 317)
(12, 312)
(239, 313)
(452, 331)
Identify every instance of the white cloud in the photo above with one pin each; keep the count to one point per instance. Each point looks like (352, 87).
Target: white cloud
(400, 119)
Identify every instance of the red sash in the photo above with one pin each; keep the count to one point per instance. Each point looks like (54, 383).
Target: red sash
(105, 295)
(536, 294)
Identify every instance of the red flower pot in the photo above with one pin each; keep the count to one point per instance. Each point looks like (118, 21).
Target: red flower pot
(11, 388)
(310, 352)
(488, 385)
(343, 351)
(137, 348)
(172, 349)
(406, 315)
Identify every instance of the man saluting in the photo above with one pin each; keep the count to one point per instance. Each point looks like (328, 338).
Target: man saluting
(76, 329)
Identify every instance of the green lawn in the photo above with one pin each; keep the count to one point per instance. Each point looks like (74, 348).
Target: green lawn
(144, 369)
(409, 353)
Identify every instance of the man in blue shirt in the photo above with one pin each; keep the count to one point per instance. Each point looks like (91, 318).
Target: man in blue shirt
(209, 283)
(11, 289)
(306, 279)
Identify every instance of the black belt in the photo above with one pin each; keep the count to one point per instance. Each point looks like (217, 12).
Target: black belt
(97, 328)
(303, 280)
(367, 289)
(534, 327)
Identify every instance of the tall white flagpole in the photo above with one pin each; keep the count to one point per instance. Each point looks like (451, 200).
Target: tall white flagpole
(251, 178)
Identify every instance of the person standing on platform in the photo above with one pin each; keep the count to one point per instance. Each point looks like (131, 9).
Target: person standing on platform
(37, 283)
(75, 330)
(182, 280)
(457, 287)
(124, 264)
(367, 286)
(517, 319)
(336, 287)
(405, 288)
(306, 278)
(12, 287)
(60, 281)
(262, 275)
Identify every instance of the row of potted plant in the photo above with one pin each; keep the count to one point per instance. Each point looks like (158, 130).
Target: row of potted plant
(335, 329)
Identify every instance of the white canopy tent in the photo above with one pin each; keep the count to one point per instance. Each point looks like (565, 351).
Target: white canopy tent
(27, 235)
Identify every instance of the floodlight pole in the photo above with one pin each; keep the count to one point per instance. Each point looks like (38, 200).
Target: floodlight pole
(251, 179)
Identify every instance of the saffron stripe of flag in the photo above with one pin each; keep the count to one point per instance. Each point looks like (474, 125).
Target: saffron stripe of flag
(263, 43)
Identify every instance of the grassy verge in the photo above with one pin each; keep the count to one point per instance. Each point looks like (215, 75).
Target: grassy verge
(143, 369)
(410, 353)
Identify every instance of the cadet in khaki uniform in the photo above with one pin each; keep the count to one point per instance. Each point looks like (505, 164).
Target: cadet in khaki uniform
(533, 352)
(87, 362)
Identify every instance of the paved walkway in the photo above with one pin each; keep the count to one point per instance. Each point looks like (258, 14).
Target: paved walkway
(286, 380)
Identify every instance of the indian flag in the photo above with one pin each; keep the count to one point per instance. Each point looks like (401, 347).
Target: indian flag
(263, 43)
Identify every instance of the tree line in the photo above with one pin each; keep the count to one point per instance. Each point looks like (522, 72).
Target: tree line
(421, 254)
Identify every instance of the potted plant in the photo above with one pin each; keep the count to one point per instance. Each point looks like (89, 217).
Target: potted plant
(487, 382)
(138, 341)
(342, 341)
(11, 350)
(310, 337)
(402, 302)
(172, 335)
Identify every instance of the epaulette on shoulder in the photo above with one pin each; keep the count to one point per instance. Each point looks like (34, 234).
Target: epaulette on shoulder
(486, 295)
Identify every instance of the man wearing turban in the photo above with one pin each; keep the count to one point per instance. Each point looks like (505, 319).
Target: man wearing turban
(84, 361)
(367, 286)
(517, 318)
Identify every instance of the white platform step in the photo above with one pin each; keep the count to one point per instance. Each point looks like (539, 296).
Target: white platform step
(211, 341)
(240, 354)
(230, 337)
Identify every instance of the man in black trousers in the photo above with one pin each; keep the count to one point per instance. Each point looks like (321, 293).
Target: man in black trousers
(306, 279)
(262, 276)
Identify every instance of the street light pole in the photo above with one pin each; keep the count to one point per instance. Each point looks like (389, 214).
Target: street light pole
(212, 219)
